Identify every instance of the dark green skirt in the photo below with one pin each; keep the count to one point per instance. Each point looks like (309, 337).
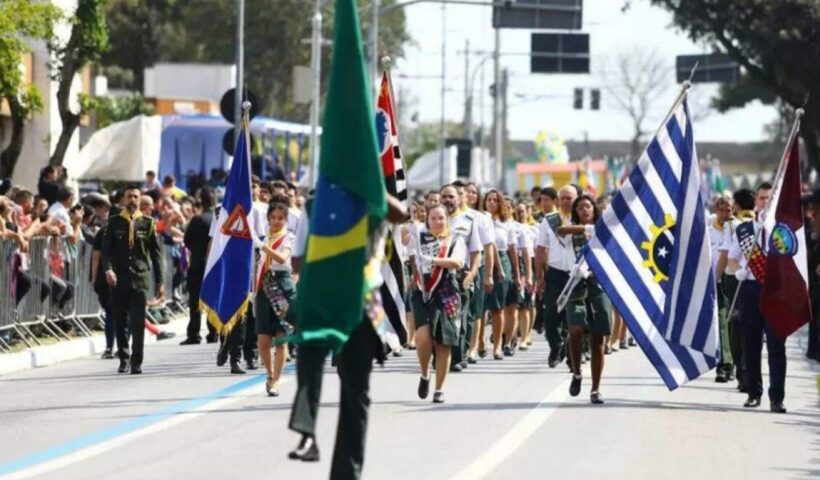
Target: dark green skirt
(267, 322)
(443, 329)
(498, 298)
(593, 312)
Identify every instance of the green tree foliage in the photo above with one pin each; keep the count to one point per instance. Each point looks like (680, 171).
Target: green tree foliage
(20, 21)
(113, 109)
(87, 41)
(776, 42)
(144, 32)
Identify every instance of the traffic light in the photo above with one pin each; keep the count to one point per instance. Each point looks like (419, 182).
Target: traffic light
(595, 99)
(578, 99)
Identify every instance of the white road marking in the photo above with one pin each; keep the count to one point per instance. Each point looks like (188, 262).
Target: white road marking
(483, 465)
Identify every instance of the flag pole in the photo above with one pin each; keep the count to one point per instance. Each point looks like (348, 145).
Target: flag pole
(575, 275)
(778, 175)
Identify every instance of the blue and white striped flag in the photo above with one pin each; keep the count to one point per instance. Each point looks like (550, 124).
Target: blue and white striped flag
(652, 256)
(226, 287)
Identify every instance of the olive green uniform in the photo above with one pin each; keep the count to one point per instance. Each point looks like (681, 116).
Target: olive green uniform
(130, 249)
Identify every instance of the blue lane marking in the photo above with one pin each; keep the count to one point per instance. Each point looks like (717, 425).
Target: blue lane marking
(129, 426)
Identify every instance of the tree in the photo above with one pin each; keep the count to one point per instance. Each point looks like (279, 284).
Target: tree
(87, 41)
(146, 32)
(20, 21)
(776, 42)
(633, 82)
(113, 109)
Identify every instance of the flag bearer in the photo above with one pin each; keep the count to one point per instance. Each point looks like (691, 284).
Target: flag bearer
(745, 249)
(588, 309)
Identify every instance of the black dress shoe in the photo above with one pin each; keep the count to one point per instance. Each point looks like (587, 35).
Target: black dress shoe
(721, 378)
(456, 367)
(482, 353)
(163, 335)
(607, 350)
(107, 354)
(596, 399)
(190, 341)
(221, 357)
(471, 360)
(123, 366)
(777, 407)
(508, 352)
(251, 364)
(136, 370)
(211, 338)
(752, 402)
(235, 368)
(424, 387)
(554, 359)
(307, 451)
(575, 386)
(463, 364)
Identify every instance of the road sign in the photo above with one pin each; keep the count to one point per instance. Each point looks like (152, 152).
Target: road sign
(559, 53)
(464, 157)
(712, 68)
(226, 104)
(539, 14)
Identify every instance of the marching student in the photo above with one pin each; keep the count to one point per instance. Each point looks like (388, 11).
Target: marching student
(437, 254)
(497, 301)
(477, 311)
(525, 239)
(745, 246)
(274, 293)
(556, 256)
(588, 309)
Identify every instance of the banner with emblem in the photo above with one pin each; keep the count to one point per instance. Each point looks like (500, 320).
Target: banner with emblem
(228, 277)
(784, 298)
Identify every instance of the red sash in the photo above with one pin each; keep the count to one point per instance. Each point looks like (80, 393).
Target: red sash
(266, 264)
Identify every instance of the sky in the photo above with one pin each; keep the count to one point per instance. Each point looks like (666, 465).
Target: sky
(544, 102)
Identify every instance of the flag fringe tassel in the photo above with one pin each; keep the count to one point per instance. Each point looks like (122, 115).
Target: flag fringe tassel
(224, 329)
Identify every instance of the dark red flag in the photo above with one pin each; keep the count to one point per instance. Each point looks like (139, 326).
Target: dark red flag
(784, 299)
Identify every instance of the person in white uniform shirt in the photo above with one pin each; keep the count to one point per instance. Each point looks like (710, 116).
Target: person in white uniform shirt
(556, 256)
(752, 321)
(524, 247)
(465, 224)
(716, 228)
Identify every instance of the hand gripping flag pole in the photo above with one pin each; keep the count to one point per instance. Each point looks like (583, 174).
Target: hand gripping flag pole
(575, 273)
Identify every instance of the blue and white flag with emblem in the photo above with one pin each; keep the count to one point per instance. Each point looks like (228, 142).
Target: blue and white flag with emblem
(226, 287)
(651, 255)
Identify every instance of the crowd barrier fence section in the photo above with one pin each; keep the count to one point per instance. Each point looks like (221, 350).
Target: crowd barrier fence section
(50, 267)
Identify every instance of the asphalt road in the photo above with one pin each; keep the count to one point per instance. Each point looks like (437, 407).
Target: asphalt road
(185, 418)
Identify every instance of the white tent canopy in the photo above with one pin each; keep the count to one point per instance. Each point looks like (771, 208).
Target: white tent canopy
(121, 151)
(426, 173)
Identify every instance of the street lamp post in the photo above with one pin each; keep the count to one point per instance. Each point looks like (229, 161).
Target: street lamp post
(316, 91)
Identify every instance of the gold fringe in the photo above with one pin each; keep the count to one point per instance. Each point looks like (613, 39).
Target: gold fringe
(224, 329)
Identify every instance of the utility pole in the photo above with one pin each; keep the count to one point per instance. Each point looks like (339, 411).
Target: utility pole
(442, 133)
(503, 135)
(468, 94)
(374, 46)
(316, 92)
(499, 134)
(240, 69)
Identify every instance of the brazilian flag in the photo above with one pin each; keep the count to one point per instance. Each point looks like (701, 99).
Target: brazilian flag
(349, 202)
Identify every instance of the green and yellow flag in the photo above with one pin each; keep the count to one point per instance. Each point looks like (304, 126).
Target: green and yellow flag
(349, 202)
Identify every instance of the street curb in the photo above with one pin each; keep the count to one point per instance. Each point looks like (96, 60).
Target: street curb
(45, 355)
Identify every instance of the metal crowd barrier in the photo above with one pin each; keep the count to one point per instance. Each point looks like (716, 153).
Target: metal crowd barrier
(37, 313)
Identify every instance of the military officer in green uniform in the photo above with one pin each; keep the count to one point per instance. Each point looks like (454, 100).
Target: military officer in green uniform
(130, 255)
